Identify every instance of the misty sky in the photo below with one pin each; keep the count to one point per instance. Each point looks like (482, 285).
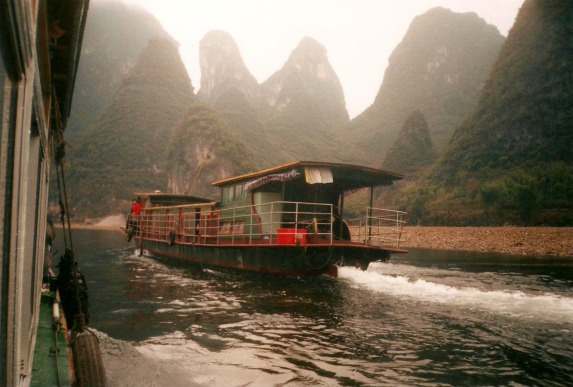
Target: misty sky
(359, 35)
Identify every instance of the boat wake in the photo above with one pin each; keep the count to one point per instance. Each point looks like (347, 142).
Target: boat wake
(514, 303)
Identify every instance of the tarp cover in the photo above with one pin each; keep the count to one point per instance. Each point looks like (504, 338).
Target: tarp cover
(318, 175)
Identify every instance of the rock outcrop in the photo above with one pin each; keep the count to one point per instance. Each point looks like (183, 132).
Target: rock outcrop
(223, 69)
(203, 150)
(305, 91)
(412, 150)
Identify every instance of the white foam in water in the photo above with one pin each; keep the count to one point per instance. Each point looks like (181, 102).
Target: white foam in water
(137, 253)
(514, 303)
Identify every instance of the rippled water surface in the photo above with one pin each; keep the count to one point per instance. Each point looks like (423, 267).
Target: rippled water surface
(428, 318)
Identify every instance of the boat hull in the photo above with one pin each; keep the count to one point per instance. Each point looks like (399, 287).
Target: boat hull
(271, 258)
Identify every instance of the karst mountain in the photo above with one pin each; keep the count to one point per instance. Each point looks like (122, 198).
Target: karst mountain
(125, 150)
(439, 68)
(289, 116)
(413, 148)
(223, 69)
(114, 37)
(498, 118)
(514, 149)
(203, 150)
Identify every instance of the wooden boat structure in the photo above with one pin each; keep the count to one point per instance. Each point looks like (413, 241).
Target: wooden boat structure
(286, 220)
(44, 336)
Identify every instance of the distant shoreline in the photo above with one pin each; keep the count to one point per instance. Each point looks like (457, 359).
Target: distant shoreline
(522, 241)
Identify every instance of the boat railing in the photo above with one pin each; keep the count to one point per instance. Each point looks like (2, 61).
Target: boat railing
(380, 227)
(279, 222)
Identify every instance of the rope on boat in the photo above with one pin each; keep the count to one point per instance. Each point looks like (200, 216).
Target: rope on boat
(72, 285)
(70, 280)
(326, 262)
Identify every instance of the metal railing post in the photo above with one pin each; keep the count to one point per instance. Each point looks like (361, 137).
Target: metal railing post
(272, 220)
(296, 218)
(331, 224)
(251, 210)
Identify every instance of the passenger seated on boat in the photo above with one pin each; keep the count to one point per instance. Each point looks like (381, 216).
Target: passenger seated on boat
(322, 227)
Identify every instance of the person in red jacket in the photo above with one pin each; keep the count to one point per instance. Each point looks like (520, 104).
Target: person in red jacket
(135, 207)
(133, 219)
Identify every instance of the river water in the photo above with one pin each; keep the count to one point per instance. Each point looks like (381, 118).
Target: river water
(427, 318)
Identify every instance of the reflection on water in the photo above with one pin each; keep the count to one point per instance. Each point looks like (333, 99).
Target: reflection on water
(426, 318)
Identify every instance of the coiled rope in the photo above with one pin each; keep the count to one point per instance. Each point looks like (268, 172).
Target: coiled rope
(322, 266)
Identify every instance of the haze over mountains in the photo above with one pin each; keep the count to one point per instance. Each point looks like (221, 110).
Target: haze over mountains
(126, 148)
(155, 133)
(439, 69)
(114, 36)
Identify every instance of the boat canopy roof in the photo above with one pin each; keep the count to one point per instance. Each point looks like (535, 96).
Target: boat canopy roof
(162, 199)
(346, 176)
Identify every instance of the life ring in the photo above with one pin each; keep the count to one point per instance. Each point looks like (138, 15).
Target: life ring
(323, 265)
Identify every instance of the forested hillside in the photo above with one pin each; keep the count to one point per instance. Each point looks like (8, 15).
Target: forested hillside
(510, 161)
(412, 150)
(125, 149)
(203, 150)
(114, 37)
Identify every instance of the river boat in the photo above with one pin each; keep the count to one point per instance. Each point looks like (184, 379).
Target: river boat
(40, 45)
(287, 220)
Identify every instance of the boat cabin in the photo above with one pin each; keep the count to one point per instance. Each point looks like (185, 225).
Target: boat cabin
(304, 195)
(162, 199)
(297, 203)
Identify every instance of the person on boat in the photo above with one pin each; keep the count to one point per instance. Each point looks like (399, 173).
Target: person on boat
(135, 207)
(133, 218)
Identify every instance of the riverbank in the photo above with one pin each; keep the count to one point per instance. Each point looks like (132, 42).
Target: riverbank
(533, 241)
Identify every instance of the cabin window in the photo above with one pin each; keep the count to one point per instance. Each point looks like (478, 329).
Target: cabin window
(240, 193)
(234, 193)
(224, 195)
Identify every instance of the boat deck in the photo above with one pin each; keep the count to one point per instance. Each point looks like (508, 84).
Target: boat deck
(270, 242)
(52, 356)
(272, 224)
